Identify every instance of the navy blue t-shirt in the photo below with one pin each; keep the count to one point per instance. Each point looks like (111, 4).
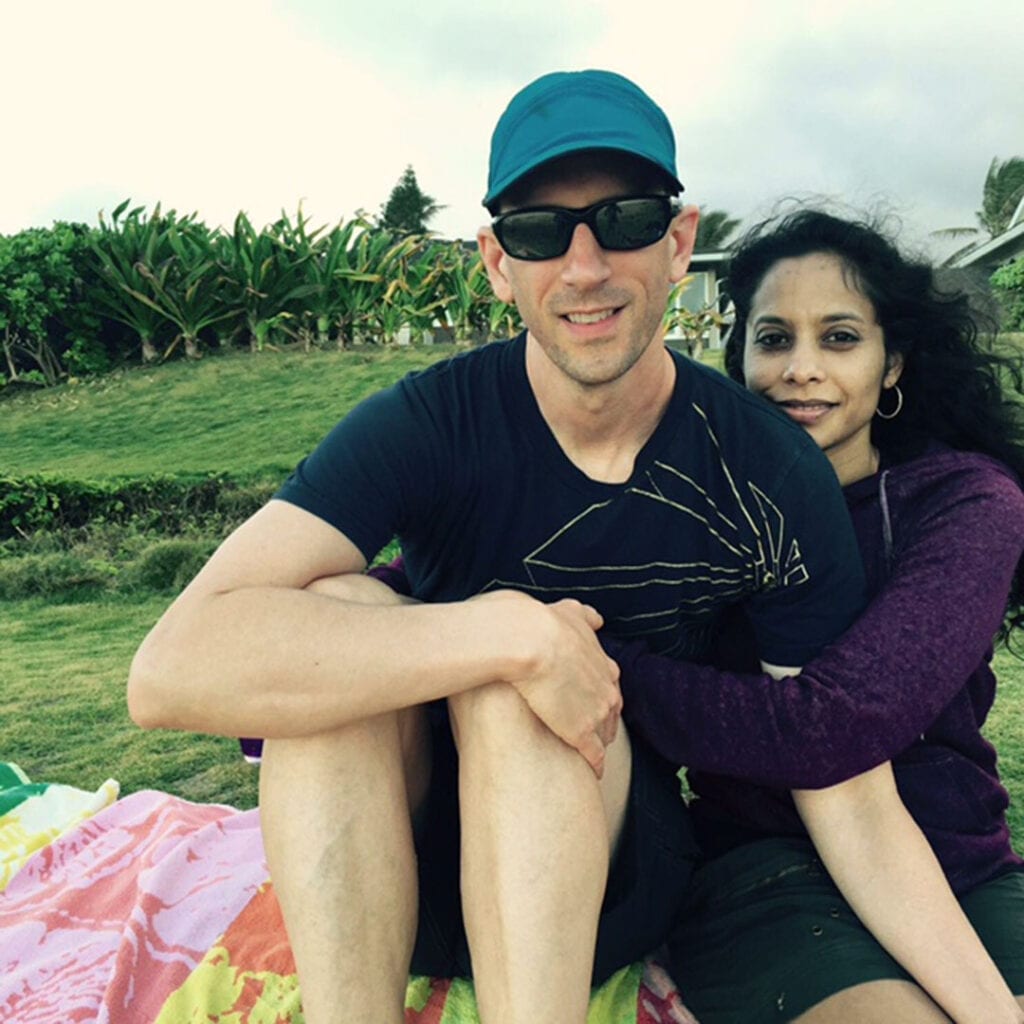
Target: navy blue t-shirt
(729, 502)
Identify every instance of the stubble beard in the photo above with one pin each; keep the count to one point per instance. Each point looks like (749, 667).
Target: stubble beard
(602, 361)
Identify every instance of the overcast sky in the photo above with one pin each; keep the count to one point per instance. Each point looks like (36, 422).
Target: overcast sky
(221, 105)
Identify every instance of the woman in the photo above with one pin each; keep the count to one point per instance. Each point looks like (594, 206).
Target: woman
(854, 343)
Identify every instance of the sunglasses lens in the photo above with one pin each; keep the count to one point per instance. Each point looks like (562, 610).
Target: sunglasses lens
(619, 224)
(632, 223)
(534, 234)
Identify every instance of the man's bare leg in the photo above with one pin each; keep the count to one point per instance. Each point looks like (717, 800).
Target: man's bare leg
(537, 831)
(335, 811)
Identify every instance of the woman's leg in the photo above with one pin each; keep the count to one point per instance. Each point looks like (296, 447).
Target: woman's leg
(876, 1002)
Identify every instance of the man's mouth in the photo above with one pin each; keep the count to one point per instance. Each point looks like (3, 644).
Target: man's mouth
(594, 317)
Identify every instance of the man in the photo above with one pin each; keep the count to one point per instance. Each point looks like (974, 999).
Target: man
(579, 462)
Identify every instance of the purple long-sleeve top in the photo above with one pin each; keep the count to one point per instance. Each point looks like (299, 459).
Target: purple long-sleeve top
(910, 681)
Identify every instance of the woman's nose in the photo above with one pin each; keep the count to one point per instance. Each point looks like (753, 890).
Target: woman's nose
(804, 366)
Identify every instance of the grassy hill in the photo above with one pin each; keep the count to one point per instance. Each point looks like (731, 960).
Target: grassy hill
(67, 638)
(248, 415)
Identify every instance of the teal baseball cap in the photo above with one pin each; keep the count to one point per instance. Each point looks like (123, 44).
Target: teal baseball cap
(569, 111)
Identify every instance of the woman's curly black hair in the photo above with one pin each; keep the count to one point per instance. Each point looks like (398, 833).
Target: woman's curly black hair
(957, 387)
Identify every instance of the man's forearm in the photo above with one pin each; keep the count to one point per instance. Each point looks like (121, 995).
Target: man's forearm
(278, 661)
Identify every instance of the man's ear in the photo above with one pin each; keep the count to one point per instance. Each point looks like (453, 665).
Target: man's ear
(494, 258)
(682, 234)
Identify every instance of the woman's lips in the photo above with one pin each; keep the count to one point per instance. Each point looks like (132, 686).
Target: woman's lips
(806, 413)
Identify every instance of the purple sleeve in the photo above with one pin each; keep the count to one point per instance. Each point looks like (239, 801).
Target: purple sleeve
(393, 574)
(869, 695)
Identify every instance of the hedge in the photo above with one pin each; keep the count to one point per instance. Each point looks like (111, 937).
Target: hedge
(169, 504)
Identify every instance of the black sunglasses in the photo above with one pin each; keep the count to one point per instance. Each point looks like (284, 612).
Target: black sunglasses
(544, 232)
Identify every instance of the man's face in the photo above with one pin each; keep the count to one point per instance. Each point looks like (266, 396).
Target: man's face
(593, 312)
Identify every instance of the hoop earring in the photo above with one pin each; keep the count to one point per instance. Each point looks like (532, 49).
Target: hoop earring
(899, 405)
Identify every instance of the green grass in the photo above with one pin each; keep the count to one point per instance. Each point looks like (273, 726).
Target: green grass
(251, 416)
(1004, 732)
(65, 717)
(246, 415)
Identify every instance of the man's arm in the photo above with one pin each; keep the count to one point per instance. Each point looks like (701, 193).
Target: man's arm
(250, 649)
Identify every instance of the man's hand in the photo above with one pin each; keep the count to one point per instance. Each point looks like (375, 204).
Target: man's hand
(571, 685)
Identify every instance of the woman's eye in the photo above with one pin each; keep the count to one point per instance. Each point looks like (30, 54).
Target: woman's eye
(771, 341)
(842, 338)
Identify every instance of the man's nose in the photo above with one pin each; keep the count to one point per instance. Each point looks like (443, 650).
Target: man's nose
(585, 262)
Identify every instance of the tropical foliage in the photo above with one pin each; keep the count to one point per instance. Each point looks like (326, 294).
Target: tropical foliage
(714, 230)
(1001, 195)
(693, 327)
(46, 327)
(1008, 285)
(154, 284)
(1004, 189)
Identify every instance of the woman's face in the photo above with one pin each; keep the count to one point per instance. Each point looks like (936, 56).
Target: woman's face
(814, 347)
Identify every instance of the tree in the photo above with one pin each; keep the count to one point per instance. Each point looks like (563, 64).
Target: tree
(42, 310)
(408, 208)
(714, 230)
(1008, 285)
(1000, 196)
(1004, 188)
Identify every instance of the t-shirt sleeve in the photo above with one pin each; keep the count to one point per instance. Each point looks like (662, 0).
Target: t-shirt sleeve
(376, 471)
(813, 585)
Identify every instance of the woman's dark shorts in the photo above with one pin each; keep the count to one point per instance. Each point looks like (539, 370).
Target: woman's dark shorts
(766, 935)
(647, 883)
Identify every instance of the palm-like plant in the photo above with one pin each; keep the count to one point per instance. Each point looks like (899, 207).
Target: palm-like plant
(473, 312)
(693, 325)
(425, 293)
(325, 301)
(370, 285)
(1004, 188)
(186, 287)
(263, 275)
(1000, 196)
(127, 249)
(714, 229)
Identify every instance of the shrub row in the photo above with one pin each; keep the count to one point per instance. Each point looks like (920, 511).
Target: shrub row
(161, 566)
(168, 504)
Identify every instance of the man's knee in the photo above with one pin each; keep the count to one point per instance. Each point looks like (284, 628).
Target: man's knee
(494, 718)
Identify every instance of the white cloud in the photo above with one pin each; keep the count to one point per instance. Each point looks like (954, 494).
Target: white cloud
(224, 105)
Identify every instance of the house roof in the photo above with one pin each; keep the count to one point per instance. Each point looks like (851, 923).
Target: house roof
(997, 250)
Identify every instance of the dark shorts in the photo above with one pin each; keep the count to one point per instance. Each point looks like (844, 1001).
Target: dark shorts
(766, 935)
(647, 883)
